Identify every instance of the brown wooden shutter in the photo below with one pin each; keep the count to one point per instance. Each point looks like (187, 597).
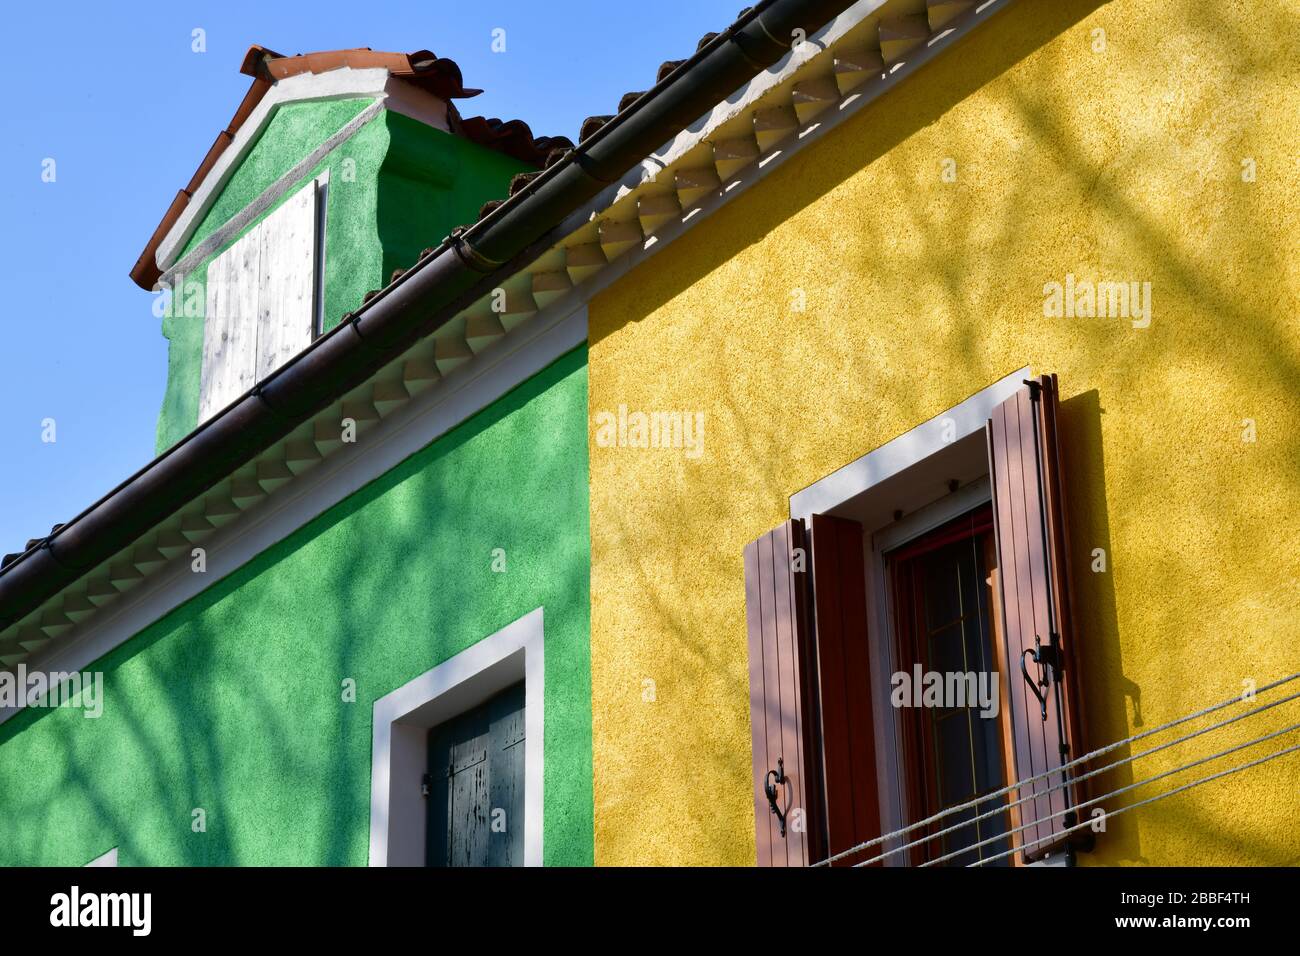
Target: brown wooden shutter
(780, 709)
(844, 666)
(810, 690)
(1025, 465)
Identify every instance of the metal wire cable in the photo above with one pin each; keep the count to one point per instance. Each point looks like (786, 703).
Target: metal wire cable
(1078, 760)
(1105, 796)
(1034, 795)
(1141, 803)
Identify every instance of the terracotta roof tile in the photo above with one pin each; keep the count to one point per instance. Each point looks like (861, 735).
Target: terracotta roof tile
(591, 124)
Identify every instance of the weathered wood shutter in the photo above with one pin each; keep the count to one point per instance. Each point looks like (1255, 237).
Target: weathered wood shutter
(260, 304)
(1025, 465)
(844, 667)
(286, 299)
(810, 690)
(476, 785)
(230, 326)
(781, 714)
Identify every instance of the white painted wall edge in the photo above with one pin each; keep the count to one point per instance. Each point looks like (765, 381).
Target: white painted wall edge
(521, 354)
(105, 859)
(402, 718)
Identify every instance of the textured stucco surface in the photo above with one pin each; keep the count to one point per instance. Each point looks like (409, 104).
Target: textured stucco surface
(396, 186)
(232, 703)
(1121, 164)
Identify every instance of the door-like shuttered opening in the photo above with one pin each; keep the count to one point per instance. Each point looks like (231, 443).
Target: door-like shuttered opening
(476, 785)
(811, 643)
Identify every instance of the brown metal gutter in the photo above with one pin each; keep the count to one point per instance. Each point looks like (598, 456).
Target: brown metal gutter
(451, 277)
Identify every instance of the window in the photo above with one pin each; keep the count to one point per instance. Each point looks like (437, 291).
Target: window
(464, 738)
(944, 552)
(262, 299)
(476, 785)
(941, 589)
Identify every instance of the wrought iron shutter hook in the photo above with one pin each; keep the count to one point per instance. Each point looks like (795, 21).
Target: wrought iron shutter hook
(770, 782)
(1045, 657)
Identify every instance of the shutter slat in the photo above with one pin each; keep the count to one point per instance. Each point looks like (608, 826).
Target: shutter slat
(1035, 515)
(1027, 551)
(772, 680)
(763, 822)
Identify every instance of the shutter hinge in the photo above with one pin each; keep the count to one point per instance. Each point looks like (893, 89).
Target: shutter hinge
(426, 783)
(1035, 388)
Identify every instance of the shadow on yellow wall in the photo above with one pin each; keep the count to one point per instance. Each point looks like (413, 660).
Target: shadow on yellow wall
(1118, 155)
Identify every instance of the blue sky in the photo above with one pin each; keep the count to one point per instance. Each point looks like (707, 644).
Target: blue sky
(126, 110)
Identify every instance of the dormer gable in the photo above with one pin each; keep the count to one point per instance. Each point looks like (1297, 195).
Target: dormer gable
(337, 168)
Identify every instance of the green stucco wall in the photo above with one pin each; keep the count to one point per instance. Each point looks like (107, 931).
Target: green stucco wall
(232, 703)
(396, 186)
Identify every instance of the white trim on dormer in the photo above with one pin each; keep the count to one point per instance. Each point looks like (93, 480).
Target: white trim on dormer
(344, 83)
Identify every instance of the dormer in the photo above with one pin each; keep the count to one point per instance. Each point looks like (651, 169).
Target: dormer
(337, 168)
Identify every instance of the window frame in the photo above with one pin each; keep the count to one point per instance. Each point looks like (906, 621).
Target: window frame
(907, 772)
(403, 718)
(896, 810)
(209, 405)
(861, 477)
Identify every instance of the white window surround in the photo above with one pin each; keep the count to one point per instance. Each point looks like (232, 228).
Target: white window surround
(105, 859)
(865, 489)
(402, 720)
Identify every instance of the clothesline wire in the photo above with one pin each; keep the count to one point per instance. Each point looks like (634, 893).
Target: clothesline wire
(1141, 803)
(1019, 784)
(1003, 807)
(1106, 796)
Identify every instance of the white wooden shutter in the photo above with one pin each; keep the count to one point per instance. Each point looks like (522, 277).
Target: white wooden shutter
(260, 302)
(286, 289)
(230, 326)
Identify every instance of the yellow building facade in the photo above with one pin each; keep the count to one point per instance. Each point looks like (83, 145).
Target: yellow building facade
(904, 262)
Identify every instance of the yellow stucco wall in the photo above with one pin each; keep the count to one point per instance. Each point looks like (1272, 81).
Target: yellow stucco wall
(1119, 164)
